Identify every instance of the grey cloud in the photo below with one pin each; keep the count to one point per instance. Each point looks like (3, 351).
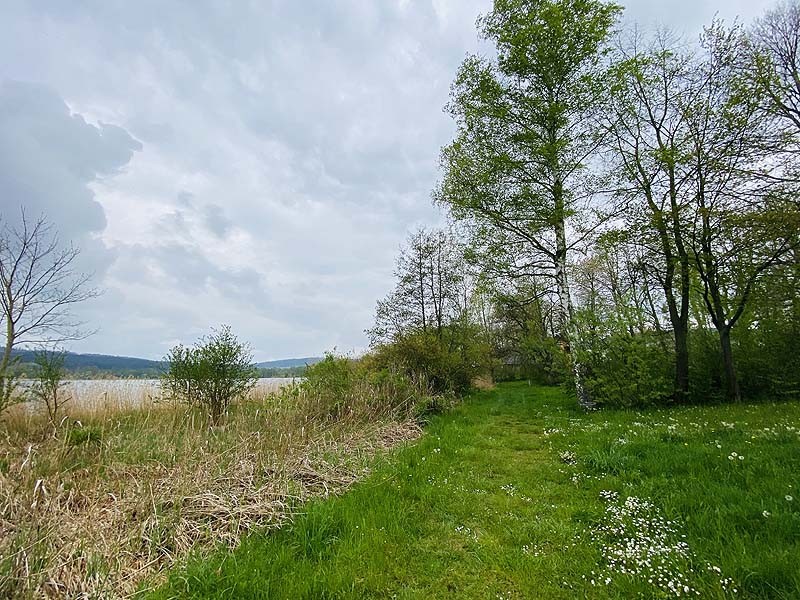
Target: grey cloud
(216, 221)
(49, 158)
(187, 215)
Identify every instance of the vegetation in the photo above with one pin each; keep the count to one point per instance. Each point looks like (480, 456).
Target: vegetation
(38, 288)
(525, 129)
(625, 224)
(426, 326)
(102, 366)
(48, 383)
(518, 494)
(119, 494)
(626, 201)
(213, 373)
(280, 372)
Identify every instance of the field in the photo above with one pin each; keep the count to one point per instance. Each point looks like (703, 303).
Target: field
(127, 485)
(517, 494)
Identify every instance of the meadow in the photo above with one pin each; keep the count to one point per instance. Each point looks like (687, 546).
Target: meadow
(127, 484)
(518, 494)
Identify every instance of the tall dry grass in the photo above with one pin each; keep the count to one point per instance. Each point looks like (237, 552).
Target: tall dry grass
(121, 490)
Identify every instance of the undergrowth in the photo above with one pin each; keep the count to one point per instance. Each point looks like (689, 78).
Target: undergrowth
(112, 496)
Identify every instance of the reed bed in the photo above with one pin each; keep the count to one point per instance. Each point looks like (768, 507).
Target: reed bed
(103, 504)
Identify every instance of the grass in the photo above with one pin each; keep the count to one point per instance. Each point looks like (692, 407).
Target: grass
(121, 490)
(516, 494)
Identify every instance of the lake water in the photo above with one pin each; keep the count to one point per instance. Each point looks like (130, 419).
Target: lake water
(122, 393)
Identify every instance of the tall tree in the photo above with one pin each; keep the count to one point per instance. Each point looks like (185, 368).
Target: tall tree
(745, 208)
(649, 142)
(777, 41)
(431, 289)
(517, 169)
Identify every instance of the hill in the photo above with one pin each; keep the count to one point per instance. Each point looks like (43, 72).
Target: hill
(288, 363)
(96, 365)
(104, 365)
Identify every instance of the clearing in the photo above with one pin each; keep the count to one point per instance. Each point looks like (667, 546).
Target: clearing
(517, 494)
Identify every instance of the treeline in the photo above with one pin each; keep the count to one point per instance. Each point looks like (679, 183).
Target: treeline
(299, 371)
(101, 366)
(625, 212)
(91, 366)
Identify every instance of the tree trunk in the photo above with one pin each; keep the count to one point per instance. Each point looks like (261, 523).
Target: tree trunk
(681, 391)
(6, 381)
(567, 326)
(732, 390)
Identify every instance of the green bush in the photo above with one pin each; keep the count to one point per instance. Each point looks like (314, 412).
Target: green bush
(705, 366)
(449, 362)
(543, 360)
(624, 368)
(84, 435)
(339, 389)
(215, 371)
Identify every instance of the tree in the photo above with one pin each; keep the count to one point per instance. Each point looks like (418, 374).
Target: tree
(648, 139)
(526, 130)
(48, 382)
(217, 370)
(746, 213)
(777, 41)
(38, 288)
(432, 288)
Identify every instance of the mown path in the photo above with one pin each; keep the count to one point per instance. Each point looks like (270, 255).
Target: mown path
(518, 495)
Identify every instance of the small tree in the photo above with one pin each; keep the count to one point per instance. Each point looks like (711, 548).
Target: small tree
(38, 288)
(215, 371)
(48, 384)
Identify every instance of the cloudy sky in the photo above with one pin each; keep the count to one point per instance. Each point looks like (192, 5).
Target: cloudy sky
(256, 163)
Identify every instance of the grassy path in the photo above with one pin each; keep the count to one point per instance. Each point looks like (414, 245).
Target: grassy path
(502, 499)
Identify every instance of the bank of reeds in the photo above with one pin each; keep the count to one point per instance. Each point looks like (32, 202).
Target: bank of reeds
(112, 497)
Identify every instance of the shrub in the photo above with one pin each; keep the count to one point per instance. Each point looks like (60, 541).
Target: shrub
(214, 372)
(624, 368)
(544, 360)
(448, 362)
(48, 383)
(81, 435)
(340, 390)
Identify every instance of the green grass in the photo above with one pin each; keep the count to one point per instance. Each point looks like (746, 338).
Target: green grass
(488, 504)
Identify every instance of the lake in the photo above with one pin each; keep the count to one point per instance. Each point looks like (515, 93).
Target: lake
(129, 393)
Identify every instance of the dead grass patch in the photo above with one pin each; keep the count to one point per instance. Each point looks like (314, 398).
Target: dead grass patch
(96, 515)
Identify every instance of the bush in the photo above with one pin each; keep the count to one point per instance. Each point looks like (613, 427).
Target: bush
(84, 435)
(624, 368)
(48, 383)
(214, 372)
(543, 360)
(339, 389)
(448, 362)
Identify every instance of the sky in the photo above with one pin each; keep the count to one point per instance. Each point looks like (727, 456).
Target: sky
(252, 163)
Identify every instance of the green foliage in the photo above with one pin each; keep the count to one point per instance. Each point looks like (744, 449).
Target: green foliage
(217, 370)
(333, 377)
(9, 385)
(344, 389)
(448, 362)
(463, 514)
(705, 366)
(48, 383)
(84, 435)
(623, 368)
(544, 360)
(282, 371)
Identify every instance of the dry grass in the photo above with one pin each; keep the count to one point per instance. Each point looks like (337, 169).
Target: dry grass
(484, 382)
(117, 494)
